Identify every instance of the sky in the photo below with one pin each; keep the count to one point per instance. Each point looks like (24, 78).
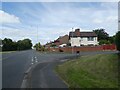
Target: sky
(46, 21)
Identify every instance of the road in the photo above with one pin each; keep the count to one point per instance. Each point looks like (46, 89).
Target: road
(15, 64)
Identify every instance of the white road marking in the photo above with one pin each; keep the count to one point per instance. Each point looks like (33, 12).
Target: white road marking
(32, 59)
(64, 60)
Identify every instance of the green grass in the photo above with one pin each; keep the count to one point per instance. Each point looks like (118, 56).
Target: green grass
(98, 71)
(7, 51)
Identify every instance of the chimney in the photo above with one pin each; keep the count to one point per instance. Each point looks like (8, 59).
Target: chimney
(77, 32)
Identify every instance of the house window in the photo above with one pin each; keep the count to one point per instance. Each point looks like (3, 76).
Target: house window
(90, 38)
(81, 39)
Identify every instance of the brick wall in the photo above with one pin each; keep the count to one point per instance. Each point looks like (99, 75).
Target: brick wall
(84, 48)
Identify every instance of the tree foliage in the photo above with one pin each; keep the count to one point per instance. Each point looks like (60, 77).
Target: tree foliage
(0, 44)
(9, 45)
(112, 39)
(101, 42)
(117, 40)
(39, 47)
(102, 35)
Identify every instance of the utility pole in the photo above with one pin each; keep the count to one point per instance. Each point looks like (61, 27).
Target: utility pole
(72, 42)
(37, 39)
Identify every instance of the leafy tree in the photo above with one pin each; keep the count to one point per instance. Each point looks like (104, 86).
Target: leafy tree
(117, 40)
(0, 44)
(24, 44)
(101, 42)
(37, 46)
(112, 39)
(27, 44)
(9, 45)
(40, 47)
(102, 35)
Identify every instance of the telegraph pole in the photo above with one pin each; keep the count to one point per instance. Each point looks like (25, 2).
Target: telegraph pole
(72, 42)
(37, 39)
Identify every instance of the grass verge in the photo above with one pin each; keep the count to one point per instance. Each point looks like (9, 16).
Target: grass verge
(98, 71)
(7, 52)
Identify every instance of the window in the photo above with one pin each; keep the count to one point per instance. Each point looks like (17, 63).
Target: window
(90, 38)
(81, 39)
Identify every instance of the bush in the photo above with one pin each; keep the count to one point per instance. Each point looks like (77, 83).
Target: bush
(117, 40)
(104, 42)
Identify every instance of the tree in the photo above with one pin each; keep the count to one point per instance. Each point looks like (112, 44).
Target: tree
(112, 39)
(27, 44)
(117, 40)
(40, 47)
(104, 42)
(0, 44)
(37, 46)
(102, 35)
(7, 44)
(24, 44)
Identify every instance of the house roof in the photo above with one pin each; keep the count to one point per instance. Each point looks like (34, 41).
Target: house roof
(83, 34)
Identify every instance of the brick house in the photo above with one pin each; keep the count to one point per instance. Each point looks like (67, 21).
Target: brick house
(78, 38)
(62, 40)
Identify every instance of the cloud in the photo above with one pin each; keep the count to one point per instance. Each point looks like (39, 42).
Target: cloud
(8, 18)
(112, 19)
(57, 19)
(97, 21)
(44, 34)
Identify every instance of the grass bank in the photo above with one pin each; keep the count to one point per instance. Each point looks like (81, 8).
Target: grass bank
(7, 52)
(98, 71)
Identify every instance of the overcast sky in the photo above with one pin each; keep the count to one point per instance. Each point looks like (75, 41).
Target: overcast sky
(54, 19)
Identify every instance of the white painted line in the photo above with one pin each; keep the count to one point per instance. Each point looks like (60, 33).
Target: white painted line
(32, 59)
(63, 60)
(28, 71)
(24, 84)
(31, 63)
(36, 61)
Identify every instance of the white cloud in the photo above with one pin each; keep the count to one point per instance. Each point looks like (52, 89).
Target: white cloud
(8, 18)
(97, 21)
(112, 19)
(57, 20)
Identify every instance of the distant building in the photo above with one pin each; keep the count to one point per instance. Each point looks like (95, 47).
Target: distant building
(78, 38)
(61, 41)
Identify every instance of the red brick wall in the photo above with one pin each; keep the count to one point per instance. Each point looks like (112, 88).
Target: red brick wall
(84, 48)
(109, 47)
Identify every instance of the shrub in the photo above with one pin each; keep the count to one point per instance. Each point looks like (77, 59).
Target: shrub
(104, 42)
(117, 40)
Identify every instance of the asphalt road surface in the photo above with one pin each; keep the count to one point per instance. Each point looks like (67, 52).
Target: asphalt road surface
(15, 64)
